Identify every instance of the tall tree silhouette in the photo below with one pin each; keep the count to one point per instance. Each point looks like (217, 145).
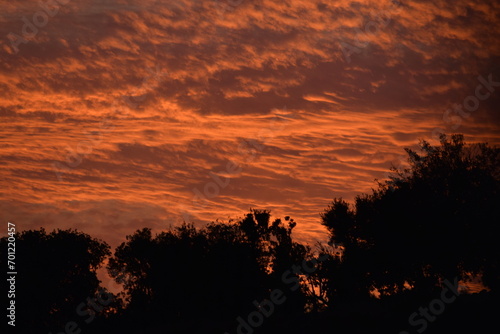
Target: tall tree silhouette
(435, 220)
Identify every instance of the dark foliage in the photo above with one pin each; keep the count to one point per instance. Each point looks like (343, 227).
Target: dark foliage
(391, 257)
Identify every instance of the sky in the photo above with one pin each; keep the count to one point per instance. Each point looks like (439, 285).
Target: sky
(118, 115)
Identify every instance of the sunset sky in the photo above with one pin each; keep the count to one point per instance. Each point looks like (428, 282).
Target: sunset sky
(118, 115)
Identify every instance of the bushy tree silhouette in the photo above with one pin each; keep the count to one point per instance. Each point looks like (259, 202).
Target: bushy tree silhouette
(436, 219)
(56, 273)
(190, 280)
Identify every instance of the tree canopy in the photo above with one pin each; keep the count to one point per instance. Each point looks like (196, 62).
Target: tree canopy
(388, 253)
(434, 220)
(56, 272)
(168, 274)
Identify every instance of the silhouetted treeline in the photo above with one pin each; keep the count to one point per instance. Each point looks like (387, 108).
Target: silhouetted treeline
(392, 264)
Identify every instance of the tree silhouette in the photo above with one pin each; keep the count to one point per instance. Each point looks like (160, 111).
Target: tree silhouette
(56, 273)
(435, 220)
(387, 255)
(212, 274)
